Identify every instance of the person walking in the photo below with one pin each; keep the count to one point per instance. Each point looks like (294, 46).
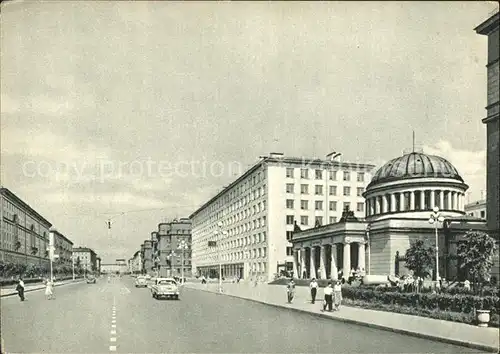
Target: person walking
(49, 289)
(290, 290)
(328, 301)
(20, 289)
(337, 294)
(314, 289)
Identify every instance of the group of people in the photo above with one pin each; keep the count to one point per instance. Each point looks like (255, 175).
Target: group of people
(332, 293)
(49, 289)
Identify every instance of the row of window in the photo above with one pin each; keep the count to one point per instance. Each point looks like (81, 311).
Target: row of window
(238, 255)
(12, 212)
(318, 190)
(318, 205)
(318, 174)
(304, 220)
(241, 242)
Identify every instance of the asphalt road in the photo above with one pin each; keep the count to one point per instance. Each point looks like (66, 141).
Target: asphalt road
(80, 320)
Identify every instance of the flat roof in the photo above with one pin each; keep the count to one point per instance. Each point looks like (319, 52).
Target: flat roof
(62, 236)
(8, 193)
(488, 25)
(285, 160)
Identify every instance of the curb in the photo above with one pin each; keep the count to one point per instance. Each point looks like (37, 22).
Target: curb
(40, 288)
(482, 347)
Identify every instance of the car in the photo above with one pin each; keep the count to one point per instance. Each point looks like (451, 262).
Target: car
(141, 282)
(91, 279)
(165, 288)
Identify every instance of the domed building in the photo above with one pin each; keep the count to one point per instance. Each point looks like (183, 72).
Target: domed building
(404, 196)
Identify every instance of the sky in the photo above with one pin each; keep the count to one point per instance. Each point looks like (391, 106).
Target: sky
(141, 111)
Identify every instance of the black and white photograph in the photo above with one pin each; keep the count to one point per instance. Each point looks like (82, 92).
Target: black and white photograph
(249, 177)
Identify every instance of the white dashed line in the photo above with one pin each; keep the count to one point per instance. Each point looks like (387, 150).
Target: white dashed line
(113, 326)
(113, 321)
(112, 333)
(112, 339)
(112, 348)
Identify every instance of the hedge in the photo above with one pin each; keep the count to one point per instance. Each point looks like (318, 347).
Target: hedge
(8, 282)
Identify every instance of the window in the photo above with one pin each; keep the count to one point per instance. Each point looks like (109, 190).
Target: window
(318, 190)
(347, 176)
(318, 205)
(289, 235)
(304, 204)
(304, 220)
(289, 172)
(289, 219)
(347, 191)
(333, 219)
(333, 175)
(361, 176)
(318, 174)
(304, 173)
(483, 214)
(318, 221)
(289, 188)
(304, 189)
(333, 206)
(360, 207)
(359, 192)
(289, 203)
(333, 190)
(347, 206)
(289, 251)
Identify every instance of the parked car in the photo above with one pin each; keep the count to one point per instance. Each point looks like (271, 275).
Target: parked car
(91, 279)
(141, 282)
(165, 288)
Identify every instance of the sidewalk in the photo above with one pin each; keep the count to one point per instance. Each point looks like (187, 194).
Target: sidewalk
(444, 331)
(11, 289)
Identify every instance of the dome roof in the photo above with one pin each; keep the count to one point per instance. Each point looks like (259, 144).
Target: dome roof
(415, 165)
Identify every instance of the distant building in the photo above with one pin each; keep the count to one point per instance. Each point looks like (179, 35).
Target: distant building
(99, 265)
(173, 245)
(24, 233)
(476, 209)
(259, 211)
(110, 268)
(147, 257)
(86, 257)
(64, 249)
(490, 28)
(122, 264)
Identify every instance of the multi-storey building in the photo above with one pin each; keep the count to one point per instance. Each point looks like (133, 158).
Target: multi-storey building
(247, 226)
(111, 268)
(99, 265)
(135, 263)
(490, 28)
(147, 258)
(174, 247)
(86, 257)
(122, 265)
(476, 209)
(63, 248)
(24, 233)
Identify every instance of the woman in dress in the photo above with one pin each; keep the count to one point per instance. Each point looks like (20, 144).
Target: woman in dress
(337, 295)
(49, 291)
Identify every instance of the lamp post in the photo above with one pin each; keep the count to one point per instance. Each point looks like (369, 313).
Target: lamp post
(171, 257)
(183, 246)
(73, 266)
(436, 218)
(368, 228)
(218, 234)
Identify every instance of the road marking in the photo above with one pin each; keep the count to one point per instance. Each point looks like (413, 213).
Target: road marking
(113, 321)
(113, 332)
(112, 339)
(112, 348)
(113, 326)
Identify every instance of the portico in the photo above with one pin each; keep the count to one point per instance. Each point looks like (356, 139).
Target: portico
(330, 251)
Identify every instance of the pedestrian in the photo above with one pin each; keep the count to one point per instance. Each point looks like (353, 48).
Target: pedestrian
(314, 289)
(20, 289)
(49, 289)
(467, 285)
(328, 301)
(290, 290)
(337, 294)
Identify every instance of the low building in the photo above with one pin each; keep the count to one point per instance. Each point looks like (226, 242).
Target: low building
(173, 248)
(476, 209)
(24, 233)
(86, 258)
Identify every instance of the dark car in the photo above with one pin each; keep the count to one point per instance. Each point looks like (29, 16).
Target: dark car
(91, 279)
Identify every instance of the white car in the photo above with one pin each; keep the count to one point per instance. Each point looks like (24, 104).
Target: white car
(165, 288)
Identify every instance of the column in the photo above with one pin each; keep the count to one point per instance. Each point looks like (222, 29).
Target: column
(295, 263)
(452, 200)
(361, 256)
(333, 268)
(393, 202)
(412, 200)
(302, 261)
(322, 265)
(384, 204)
(433, 199)
(367, 207)
(402, 201)
(377, 205)
(372, 206)
(441, 200)
(347, 259)
(422, 200)
(312, 263)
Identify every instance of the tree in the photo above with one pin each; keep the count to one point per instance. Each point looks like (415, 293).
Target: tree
(420, 259)
(476, 254)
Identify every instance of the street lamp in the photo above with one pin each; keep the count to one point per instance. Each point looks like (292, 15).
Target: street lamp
(183, 246)
(218, 234)
(171, 257)
(436, 218)
(368, 228)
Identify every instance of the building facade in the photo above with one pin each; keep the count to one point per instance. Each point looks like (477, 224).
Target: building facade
(122, 265)
(24, 233)
(248, 226)
(86, 257)
(490, 28)
(476, 209)
(147, 257)
(135, 263)
(173, 247)
(111, 268)
(64, 249)
(400, 200)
